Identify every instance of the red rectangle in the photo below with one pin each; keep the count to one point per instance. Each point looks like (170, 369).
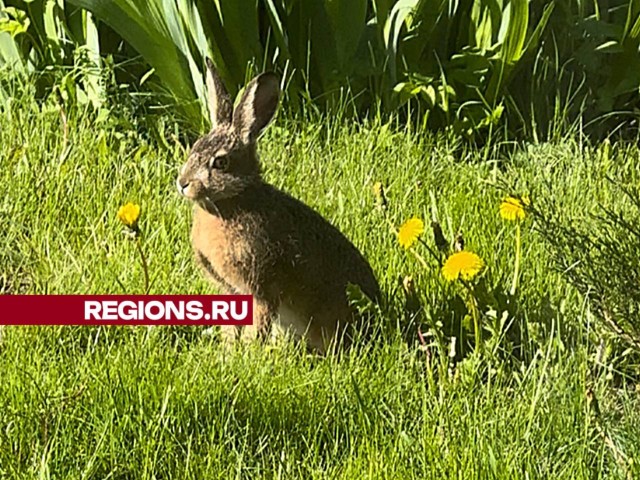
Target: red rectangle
(185, 310)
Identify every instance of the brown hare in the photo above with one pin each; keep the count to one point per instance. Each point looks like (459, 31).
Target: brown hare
(251, 238)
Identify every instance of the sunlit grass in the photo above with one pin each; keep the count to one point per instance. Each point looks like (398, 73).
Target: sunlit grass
(169, 403)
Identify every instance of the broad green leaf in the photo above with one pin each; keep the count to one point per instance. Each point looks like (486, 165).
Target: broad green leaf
(348, 20)
(142, 25)
(51, 10)
(382, 9)
(93, 78)
(324, 36)
(240, 31)
(9, 52)
(392, 29)
(222, 25)
(484, 30)
(632, 23)
(534, 38)
(516, 19)
(13, 27)
(14, 21)
(278, 28)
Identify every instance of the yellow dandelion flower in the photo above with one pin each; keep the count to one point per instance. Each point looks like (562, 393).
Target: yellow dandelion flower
(410, 231)
(512, 208)
(462, 264)
(129, 214)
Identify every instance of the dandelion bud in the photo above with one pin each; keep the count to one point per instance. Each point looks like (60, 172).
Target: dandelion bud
(592, 401)
(438, 236)
(407, 284)
(458, 244)
(452, 358)
(378, 193)
(412, 302)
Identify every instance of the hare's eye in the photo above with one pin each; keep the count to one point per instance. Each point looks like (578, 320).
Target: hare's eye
(220, 163)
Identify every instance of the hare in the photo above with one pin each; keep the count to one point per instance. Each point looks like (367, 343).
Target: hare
(252, 238)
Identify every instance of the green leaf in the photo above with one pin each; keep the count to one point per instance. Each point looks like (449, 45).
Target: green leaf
(516, 19)
(144, 26)
(13, 27)
(324, 36)
(348, 20)
(94, 87)
(611, 46)
(281, 37)
(240, 32)
(632, 23)
(9, 51)
(14, 21)
(400, 12)
(534, 38)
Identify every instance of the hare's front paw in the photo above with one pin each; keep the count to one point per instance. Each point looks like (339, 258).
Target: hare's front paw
(229, 334)
(259, 330)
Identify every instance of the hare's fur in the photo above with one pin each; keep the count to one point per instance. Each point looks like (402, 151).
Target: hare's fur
(252, 238)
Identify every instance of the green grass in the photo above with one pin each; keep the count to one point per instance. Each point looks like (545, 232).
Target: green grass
(170, 403)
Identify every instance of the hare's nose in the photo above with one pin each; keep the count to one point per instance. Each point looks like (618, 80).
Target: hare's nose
(182, 185)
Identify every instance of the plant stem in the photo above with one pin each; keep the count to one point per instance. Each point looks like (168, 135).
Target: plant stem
(475, 314)
(420, 258)
(516, 268)
(436, 257)
(145, 267)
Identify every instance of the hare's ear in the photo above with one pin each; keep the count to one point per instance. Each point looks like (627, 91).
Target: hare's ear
(256, 107)
(220, 106)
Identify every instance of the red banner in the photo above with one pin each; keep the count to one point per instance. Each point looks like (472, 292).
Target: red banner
(185, 310)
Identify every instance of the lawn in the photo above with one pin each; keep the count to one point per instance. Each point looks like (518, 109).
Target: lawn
(157, 403)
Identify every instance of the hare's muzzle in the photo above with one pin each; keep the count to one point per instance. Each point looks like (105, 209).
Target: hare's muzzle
(183, 186)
